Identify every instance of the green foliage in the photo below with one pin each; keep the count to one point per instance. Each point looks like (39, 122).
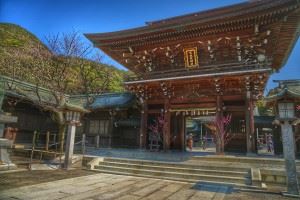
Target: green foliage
(14, 36)
(263, 109)
(19, 58)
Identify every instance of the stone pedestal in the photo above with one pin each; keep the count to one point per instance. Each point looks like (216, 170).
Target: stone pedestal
(5, 162)
(289, 156)
(2, 126)
(4, 145)
(69, 146)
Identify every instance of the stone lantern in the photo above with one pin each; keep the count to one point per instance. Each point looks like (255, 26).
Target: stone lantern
(286, 118)
(72, 117)
(283, 99)
(5, 118)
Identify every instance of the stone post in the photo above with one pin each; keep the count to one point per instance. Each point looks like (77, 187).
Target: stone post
(98, 141)
(69, 145)
(289, 157)
(83, 144)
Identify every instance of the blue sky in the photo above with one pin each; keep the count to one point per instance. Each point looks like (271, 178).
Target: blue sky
(44, 17)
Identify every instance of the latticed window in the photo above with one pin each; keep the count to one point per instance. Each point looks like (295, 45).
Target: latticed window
(103, 127)
(286, 110)
(99, 127)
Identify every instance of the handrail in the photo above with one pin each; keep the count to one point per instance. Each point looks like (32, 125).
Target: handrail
(83, 143)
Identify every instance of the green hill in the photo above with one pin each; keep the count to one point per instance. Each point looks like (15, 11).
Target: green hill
(14, 37)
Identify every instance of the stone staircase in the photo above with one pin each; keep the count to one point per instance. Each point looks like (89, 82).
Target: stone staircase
(174, 171)
(262, 161)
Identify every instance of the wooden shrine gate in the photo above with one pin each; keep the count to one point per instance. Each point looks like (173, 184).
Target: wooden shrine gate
(216, 61)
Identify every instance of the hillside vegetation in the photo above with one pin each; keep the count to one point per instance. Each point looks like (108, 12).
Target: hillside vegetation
(17, 53)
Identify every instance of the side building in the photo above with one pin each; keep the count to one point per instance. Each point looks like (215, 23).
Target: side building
(112, 122)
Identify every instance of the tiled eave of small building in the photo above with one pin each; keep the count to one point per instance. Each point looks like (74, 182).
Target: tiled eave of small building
(286, 88)
(27, 92)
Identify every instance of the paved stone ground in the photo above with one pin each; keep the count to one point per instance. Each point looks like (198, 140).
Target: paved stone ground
(238, 195)
(15, 179)
(106, 186)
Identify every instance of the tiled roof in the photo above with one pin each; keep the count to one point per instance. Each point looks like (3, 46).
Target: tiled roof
(113, 100)
(289, 88)
(27, 91)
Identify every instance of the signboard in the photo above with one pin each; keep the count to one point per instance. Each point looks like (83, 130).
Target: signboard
(191, 57)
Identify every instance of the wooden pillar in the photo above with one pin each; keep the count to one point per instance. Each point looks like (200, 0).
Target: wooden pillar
(252, 127)
(144, 125)
(167, 125)
(249, 124)
(219, 116)
(182, 132)
(111, 127)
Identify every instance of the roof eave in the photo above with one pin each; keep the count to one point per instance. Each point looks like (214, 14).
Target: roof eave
(157, 28)
(280, 95)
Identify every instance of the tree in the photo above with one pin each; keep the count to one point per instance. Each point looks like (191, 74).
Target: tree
(263, 110)
(219, 128)
(95, 78)
(156, 130)
(61, 70)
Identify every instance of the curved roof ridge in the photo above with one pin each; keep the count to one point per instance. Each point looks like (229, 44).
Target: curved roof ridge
(170, 19)
(209, 15)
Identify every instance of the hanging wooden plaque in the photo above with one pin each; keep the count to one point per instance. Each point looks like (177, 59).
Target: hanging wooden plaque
(191, 57)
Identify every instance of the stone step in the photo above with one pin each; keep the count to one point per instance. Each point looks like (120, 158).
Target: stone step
(176, 175)
(178, 168)
(234, 185)
(203, 166)
(241, 160)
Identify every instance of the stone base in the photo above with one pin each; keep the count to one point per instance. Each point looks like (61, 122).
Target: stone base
(251, 154)
(5, 167)
(2, 130)
(290, 195)
(4, 155)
